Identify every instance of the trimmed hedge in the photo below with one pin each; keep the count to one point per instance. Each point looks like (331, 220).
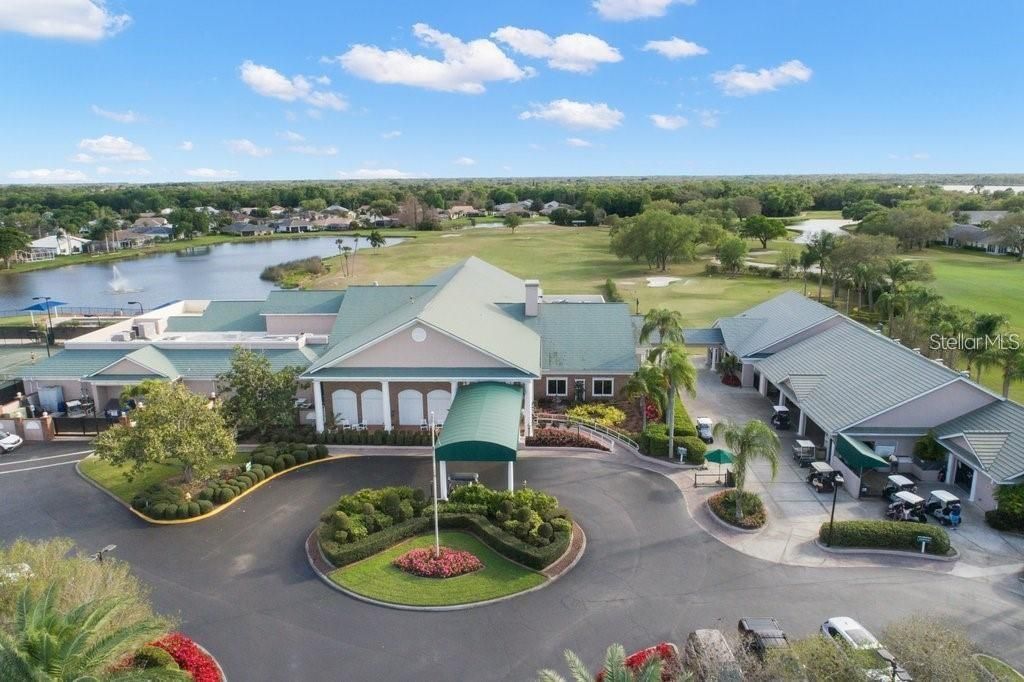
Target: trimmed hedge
(561, 438)
(695, 448)
(342, 554)
(307, 435)
(1000, 519)
(879, 534)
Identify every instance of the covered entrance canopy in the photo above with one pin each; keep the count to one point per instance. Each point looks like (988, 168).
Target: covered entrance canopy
(482, 426)
(858, 456)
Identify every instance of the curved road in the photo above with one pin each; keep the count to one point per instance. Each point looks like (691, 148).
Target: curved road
(242, 587)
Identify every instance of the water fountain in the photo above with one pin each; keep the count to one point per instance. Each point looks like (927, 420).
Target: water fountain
(119, 284)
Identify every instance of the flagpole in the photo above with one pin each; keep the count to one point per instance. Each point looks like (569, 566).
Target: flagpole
(433, 457)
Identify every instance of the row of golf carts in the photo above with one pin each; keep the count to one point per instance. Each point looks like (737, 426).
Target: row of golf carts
(906, 505)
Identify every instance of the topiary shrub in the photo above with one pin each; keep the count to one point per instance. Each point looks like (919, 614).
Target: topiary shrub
(149, 657)
(205, 507)
(301, 456)
(157, 510)
(181, 512)
(206, 494)
(320, 451)
(171, 512)
(194, 510)
(545, 530)
(225, 495)
(289, 461)
(279, 464)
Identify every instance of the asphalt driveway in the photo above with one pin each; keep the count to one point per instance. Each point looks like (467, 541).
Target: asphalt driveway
(242, 587)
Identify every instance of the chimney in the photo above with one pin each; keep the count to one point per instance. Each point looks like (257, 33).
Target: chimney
(532, 297)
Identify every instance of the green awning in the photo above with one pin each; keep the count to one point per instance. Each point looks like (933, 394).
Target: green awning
(858, 456)
(482, 424)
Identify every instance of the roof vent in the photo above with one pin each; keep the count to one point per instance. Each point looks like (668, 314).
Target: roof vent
(917, 350)
(965, 374)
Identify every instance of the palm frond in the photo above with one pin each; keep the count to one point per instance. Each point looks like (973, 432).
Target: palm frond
(577, 667)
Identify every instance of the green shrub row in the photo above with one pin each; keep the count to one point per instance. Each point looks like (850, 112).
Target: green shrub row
(529, 515)
(1001, 519)
(879, 534)
(306, 435)
(358, 516)
(341, 554)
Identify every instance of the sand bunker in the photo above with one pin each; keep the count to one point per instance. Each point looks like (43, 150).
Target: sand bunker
(659, 282)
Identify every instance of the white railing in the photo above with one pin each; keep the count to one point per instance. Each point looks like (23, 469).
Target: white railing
(604, 434)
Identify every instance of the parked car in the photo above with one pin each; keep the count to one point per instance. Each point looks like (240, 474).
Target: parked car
(708, 656)
(9, 442)
(761, 635)
(851, 633)
(705, 430)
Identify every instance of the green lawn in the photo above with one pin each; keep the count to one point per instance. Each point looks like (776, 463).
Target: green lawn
(112, 478)
(376, 578)
(999, 670)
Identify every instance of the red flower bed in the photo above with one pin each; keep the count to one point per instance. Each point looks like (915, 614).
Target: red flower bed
(731, 380)
(561, 438)
(450, 562)
(190, 657)
(671, 665)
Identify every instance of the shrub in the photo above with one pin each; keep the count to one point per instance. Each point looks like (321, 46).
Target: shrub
(157, 510)
(602, 413)
(206, 494)
(194, 510)
(190, 657)
(171, 511)
(320, 451)
(1010, 514)
(560, 525)
(301, 456)
(279, 464)
(225, 495)
(695, 449)
(654, 440)
(340, 555)
(257, 471)
(562, 438)
(723, 505)
(878, 534)
(205, 506)
(154, 657)
(289, 461)
(545, 530)
(1000, 519)
(181, 512)
(536, 557)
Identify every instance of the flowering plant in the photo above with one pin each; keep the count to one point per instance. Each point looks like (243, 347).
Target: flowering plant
(189, 657)
(652, 410)
(448, 564)
(671, 665)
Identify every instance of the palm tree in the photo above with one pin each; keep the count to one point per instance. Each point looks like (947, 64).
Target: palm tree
(355, 252)
(346, 252)
(613, 670)
(376, 239)
(729, 365)
(824, 243)
(1009, 357)
(749, 441)
(44, 644)
(668, 324)
(648, 383)
(808, 259)
(678, 372)
(984, 326)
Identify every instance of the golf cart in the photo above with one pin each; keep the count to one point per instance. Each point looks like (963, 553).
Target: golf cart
(780, 419)
(896, 484)
(803, 452)
(906, 506)
(705, 430)
(823, 478)
(945, 506)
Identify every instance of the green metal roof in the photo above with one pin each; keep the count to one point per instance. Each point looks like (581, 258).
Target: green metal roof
(482, 424)
(771, 322)
(995, 434)
(302, 302)
(127, 378)
(71, 364)
(703, 337)
(583, 337)
(222, 316)
(444, 373)
(858, 456)
(208, 363)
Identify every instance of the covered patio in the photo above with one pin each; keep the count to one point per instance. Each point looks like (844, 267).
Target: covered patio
(482, 425)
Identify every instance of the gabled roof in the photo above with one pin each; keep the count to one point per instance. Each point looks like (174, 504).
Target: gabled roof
(995, 433)
(849, 373)
(302, 302)
(583, 337)
(71, 364)
(150, 360)
(463, 302)
(771, 322)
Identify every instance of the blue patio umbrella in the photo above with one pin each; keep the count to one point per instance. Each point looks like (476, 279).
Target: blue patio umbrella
(42, 306)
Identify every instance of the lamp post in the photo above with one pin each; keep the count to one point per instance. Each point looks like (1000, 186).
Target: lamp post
(433, 458)
(49, 320)
(837, 480)
(141, 309)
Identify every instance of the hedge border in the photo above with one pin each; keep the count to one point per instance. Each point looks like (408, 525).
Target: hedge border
(312, 544)
(216, 510)
(873, 551)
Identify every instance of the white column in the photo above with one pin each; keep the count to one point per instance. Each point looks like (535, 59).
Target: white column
(528, 413)
(974, 485)
(782, 398)
(801, 428)
(385, 390)
(950, 469)
(442, 483)
(762, 386)
(455, 388)
(511, 476)
(318, 406)
(714, 357)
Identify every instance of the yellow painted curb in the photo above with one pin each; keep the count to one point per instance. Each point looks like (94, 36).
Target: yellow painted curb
(216, 510)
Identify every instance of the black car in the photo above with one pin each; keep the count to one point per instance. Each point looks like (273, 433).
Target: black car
(761, 635)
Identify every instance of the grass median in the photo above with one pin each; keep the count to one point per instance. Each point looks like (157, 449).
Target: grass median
(113, 479)
(376, 578)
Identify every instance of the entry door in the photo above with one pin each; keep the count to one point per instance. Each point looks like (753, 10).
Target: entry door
(580, 390)
(410, 408)
(438, 402)
(373, 407)
(963, 476)
(344, 406)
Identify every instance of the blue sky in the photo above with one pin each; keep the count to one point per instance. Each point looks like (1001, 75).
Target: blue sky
(155, 90)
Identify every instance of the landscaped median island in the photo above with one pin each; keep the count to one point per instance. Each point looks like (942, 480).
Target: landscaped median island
(494, 544)
(723, 505)
(878, 534)
(161, 493)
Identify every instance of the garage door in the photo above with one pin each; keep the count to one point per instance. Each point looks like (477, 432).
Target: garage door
(438, 403)
(344, 407)
(373, 407)
(410, 408)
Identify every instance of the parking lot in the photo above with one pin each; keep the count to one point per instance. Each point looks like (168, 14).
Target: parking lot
(37, 456)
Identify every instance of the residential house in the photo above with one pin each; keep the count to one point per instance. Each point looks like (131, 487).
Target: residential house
(517, 207)
(463, 211)
(553, 206)
(246, 229)
(148, 221)
(58, 245)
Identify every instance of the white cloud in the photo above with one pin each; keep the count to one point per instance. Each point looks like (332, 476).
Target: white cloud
(708, 117)
(272, 83)
(465, 67)
(292, 136)
(738, 82)
(577, 52)
(566, 112)
(391, 134)
(81, 157)
(675, 48)
(247, 147)
(375, 174)
(186, 146)
(112, 147)
(464, 161)
(916, 156)
(123, 172)
(119, 116)
(627, 10)
(578, 142)
(312, 150)
(668, 122)
(46, 175)
(210, 173)
(68, 19)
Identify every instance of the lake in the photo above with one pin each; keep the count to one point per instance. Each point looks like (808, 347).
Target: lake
(809, 228)
(225, 271)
